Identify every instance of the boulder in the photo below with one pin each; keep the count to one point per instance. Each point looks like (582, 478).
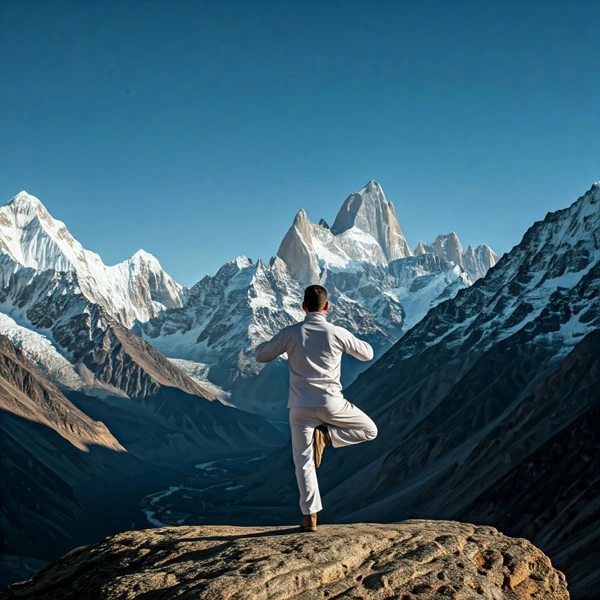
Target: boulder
(409, 560)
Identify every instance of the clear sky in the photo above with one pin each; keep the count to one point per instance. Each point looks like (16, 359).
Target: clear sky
(197, 130)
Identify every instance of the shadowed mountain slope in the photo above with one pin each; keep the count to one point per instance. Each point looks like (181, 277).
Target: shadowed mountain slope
(58, 466)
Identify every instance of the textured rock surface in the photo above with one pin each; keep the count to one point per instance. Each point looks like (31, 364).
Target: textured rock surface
(409, 560)
(449, 248)
(479, 260)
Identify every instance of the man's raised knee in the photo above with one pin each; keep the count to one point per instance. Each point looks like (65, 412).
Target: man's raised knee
(371, 432)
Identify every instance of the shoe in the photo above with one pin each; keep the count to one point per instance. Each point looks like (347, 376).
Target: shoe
(320, 441)
(309, 522)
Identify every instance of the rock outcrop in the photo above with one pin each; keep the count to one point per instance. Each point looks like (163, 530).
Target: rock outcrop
(478, 260)
(298, 253)
(408, 560)
(475, 260)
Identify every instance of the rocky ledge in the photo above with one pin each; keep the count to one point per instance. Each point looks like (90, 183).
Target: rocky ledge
(408, 560)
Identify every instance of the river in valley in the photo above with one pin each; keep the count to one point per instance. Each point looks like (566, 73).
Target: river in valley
(212, 494)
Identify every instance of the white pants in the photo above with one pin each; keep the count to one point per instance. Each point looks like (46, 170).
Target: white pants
(346, 424)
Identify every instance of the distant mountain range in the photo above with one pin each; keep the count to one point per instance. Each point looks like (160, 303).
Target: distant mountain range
(378, 289)
(72, 315)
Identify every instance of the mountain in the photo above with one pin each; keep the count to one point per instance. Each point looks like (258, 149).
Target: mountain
(365, 230)
(28, 394)
(488, 406)
(369, 212)
(136, 289)
(73, 316)
(377, 289)
(559, 505)
(105, 354)
(156, 410)
(71, 313)
(223, 318)
(476, 260)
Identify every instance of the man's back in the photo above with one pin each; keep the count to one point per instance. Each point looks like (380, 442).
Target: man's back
(314, 348)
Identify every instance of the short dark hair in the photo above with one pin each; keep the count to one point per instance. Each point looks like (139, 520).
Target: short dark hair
(315, 297)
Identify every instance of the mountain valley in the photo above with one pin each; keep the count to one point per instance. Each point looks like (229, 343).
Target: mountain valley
(485, 386)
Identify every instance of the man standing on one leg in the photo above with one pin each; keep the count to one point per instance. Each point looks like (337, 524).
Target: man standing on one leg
(319, 414)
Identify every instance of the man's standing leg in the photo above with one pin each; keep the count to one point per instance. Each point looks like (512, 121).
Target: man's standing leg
(302, 423)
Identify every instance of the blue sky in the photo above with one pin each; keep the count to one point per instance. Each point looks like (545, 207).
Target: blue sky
(197, 130)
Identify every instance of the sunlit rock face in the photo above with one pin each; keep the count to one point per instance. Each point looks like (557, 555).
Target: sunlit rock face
(370, 212)
(475, 260)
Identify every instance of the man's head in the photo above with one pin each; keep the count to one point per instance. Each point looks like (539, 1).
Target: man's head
(315, 299)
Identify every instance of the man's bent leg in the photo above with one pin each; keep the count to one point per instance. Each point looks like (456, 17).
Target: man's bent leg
(302, 423)
(347, 424)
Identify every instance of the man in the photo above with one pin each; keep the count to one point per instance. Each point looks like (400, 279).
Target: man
(319, 414)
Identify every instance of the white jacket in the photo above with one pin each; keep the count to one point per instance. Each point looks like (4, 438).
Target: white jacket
(314, 348)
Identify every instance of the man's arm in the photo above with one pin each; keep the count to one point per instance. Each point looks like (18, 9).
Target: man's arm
(355, 347)
(271, 349)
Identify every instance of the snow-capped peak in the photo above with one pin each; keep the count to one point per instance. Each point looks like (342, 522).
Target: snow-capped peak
(242, 261)
(32, 238)
(24, 199)
(141, 256)
(475, 260)
(365, 231)
(373, 187)
(300, 218)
